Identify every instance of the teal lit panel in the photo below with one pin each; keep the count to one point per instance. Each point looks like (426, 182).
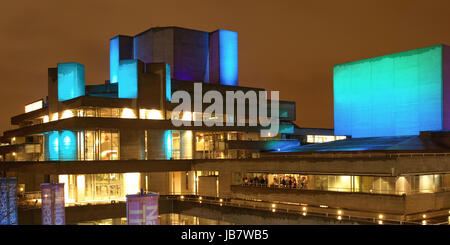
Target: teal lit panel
(286, 129)
(67, 146)
(228, 55)
(70, 81)
(128, 79)
(392, 95)
(114, 60)
(53, 146)
(168, 143)
(168, 83)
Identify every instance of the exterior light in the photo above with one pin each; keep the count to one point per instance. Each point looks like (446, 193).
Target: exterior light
(127, 113)
(424, 222)
(150, 114)
(200, 198)
(182, 197)
(304, 208)
(339, 217)
(34, 106)
(14, 154)
(273, 210)
(55, 116)
(380, 222)
(187, 116)
(221, 200)
(304, 213)
(323, 206)
(339, 212)
(67, 114)
(273, 205)
(380, 216)
(424, 216)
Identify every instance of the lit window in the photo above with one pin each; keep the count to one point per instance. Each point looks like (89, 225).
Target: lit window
(127, 113)
(67, 114)
(187, 116)
(55, 116)
(34, 106)
(150, 114)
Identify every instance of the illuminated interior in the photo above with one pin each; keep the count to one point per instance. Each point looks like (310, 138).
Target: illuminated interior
(346, 183)
(34, 106)
(313, 139)
(99, 187)
(128, 113)
(150, 114)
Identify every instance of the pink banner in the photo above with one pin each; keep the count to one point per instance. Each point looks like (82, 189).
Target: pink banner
(53, 211)
(142, 209)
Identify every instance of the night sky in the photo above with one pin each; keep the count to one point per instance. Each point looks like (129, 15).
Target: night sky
(290, 46)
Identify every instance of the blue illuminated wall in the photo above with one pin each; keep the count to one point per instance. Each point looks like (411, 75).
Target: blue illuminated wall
(168, 84)
(128, 79)
(223, 57)
(114, 60)
(168, 143)
(120, 48)
(70, 81)
(61, 146)
(392, 95)
(67, 146)
(228, 52)
(53, 146)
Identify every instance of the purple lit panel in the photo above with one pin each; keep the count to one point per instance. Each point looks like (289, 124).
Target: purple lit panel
(214, 59)
(190, 55)
(446, 85)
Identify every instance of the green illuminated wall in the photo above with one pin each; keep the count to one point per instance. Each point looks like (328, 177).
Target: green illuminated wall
(397, 94)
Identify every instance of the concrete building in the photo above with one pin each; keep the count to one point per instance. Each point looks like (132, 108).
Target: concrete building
(108, 140)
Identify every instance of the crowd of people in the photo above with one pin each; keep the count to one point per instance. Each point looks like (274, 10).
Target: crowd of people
(261, 180)
(301, 182)
(290, 182)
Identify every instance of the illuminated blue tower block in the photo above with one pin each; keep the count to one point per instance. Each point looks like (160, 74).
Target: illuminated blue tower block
(192, 55)
(120, 48)
(397, 94)
(223, 51)
(128, 79)
(185, 50)
(70, 81)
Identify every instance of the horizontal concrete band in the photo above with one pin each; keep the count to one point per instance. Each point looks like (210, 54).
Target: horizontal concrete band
(354, 166)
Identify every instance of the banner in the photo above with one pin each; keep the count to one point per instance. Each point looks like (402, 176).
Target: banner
(8, 201)
(53, 211)
(142, 209)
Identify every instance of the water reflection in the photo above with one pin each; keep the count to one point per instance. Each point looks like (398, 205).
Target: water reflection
(164, 219)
